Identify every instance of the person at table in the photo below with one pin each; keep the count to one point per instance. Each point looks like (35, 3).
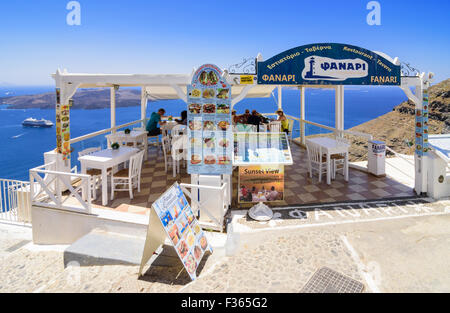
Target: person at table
(284, 121)
(183, 120)
(235, 118)
(254, 119)
(272, 194)
(244, 117)
(152, 125)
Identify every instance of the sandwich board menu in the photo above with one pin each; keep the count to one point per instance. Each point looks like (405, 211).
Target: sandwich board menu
(209, 122)
(172, 216)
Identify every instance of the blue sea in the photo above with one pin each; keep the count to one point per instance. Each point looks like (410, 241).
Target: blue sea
(22, 148)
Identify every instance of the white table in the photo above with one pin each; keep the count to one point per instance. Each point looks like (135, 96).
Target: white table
(134, 137)
(331, 146)
(103, 160)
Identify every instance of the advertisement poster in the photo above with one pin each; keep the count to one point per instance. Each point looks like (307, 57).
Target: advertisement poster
(422, 127)
(209, 123)
(261, 183)
(261, 148)
(62, 127)
(182, 227)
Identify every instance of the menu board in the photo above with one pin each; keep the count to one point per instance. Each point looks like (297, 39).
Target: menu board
(422, 145)
(62, 127)
(261, 148)
(182, 227)
(209, 122)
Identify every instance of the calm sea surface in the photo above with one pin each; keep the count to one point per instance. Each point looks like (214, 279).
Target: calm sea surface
(22, 148)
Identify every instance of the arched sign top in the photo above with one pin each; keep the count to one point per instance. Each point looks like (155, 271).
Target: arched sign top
(328, 64)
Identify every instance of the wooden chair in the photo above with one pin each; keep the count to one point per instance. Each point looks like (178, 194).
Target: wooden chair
(316, 160)
(130, 177)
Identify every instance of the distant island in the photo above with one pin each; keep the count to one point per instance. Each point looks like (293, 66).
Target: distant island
(83, 99)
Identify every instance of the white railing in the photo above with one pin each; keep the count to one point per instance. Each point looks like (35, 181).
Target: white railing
(14, 201)
(400, 156)
(46, 187)
(102, 132)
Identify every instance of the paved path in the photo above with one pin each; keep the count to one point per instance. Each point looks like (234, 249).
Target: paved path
(397, 254)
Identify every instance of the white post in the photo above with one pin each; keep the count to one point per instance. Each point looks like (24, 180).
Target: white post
(302, 115)
(113, 109)
(280, 106)
(420, 163)
(143, 105)
(342, 107)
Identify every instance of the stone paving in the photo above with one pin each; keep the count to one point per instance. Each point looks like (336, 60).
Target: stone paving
(393, 255)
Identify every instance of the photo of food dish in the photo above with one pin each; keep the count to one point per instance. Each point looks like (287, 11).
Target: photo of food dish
(224, 160)
(195, 141)
(182, 202)
(209, 108)
(224, 143)
(208, 78)
(174, 234)
(174, 211)
(195, 93)
(208, 93)
(203, 242)
(196, 228)
(209, 125)
(182, 249)
(182, 223)
(223, 125)
(166, 219)
(196, 159)
(195, 108)
(222, 93)
(210, 159)
(190, 239)
(195, 125)
(190, 215)
(223, 108)
(190, 264)
(198, 253)
(209, 142)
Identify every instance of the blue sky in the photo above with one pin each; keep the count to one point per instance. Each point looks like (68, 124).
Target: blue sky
(148, 36)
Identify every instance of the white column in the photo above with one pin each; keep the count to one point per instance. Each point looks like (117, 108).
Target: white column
(339, 108)
(280, 98)
(143, 105)
(342, 107)
(302, 115)
(420, 162)
(113, 108)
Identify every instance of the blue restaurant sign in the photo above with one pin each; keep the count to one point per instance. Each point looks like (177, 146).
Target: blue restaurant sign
(328, 64)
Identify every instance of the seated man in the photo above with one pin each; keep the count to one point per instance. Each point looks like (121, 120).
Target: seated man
(254, 119)
(152, 125)
(244, 117)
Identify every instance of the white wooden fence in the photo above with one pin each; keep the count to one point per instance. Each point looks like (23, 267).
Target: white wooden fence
(14, 201)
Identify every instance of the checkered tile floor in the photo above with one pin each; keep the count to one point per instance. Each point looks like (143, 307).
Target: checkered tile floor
(299, 188)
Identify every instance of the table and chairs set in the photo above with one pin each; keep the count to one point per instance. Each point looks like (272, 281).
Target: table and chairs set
(325, 155)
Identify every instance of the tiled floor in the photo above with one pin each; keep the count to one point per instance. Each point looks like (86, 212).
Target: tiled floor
(299, 188)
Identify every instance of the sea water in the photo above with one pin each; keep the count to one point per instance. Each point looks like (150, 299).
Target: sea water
(22, 148)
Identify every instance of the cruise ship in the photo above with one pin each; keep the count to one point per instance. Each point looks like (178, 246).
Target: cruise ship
(32, 122)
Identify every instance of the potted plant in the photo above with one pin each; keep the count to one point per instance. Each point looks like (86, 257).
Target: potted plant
(127, 131)
(115, 146)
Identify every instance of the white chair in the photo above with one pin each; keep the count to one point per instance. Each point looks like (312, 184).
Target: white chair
(263, 128)
(96, 174)
(177, 131)
(275, 126)
(167, 151)
(316, 160)
(178, 153)
(130, 177)
(338, 160)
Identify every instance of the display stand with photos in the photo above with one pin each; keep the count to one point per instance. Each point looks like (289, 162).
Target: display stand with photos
(209, 123)
(172, 216)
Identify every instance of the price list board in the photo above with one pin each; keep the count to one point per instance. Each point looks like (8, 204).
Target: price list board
(209, 123)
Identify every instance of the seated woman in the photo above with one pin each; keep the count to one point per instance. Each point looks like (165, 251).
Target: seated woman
(235, 118)
(284, 121)
(183, 120)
